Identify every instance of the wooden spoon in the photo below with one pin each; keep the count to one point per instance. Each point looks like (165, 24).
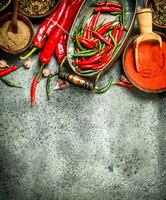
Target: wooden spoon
(13, 24)
(144, 18)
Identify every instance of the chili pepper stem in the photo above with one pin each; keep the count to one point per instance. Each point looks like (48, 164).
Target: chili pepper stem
(41, 70)
(29, 54)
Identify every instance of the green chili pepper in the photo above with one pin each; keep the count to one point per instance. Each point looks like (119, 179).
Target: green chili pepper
(100, 45)
(84, 54)
(104, 88)
(123, 15)
(85, 51)
(114, 42)
(78, 44)
(48, 83)
(79, 27)
(87, 71)
(8, 83)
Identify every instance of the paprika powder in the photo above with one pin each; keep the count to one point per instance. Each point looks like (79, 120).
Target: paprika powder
(152, 63)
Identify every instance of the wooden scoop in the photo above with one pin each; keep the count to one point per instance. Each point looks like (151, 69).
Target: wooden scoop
(144, 18)
(13, 24)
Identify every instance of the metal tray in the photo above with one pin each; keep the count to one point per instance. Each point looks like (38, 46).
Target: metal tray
(86, 10)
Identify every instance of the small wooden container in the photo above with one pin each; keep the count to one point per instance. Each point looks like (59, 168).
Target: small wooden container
(55, 4)
(23, 18)
(132, 78)
(148, 4)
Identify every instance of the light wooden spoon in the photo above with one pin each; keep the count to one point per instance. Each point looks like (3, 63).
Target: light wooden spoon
(144, 18)
(13, 24)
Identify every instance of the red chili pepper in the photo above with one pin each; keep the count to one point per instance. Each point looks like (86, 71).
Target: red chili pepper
(56, 19)
(47, 26)
(112, 4)
(114, 31)
(104, 28)
(124, 84)
(65, 24)
(8, 70)
(87, 61)
(107, 9)
(60, 49)
(93, 23)
(105, 59)
(33, 90)
(101, 53)
(120, 33)
(86, 43)
(85, 34)
(39, 36)
(102, 38)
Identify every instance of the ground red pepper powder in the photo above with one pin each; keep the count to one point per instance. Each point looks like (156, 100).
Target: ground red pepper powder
(152, 66)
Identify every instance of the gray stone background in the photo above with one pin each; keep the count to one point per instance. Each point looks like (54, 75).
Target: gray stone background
(80, 145)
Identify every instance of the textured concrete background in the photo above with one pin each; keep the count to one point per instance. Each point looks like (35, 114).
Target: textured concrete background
(80, 145)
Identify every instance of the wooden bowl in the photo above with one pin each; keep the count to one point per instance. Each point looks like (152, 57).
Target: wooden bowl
(23, 18)
(55, 4)
(148, 4)
(5, 4)
(132, 78)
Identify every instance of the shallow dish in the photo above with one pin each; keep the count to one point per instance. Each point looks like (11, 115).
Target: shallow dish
(23, 18)
(54, 3)
(144, 82)
(86, 10)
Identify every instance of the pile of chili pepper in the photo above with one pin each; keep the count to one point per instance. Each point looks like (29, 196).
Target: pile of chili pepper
(95, 43)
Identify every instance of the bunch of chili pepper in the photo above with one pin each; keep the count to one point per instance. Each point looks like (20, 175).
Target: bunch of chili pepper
(58, 35)
(95, 43)
(47, 27)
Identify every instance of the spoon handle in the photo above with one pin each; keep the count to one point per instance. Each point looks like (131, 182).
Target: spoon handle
(15, 10)
(144, 18)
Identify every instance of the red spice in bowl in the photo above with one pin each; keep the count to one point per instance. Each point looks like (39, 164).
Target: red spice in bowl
(152, 60)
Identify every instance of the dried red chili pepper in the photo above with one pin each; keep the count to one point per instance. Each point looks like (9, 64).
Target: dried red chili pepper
(107, 9)
(112, 4)
(120, 33)
(8, 70)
